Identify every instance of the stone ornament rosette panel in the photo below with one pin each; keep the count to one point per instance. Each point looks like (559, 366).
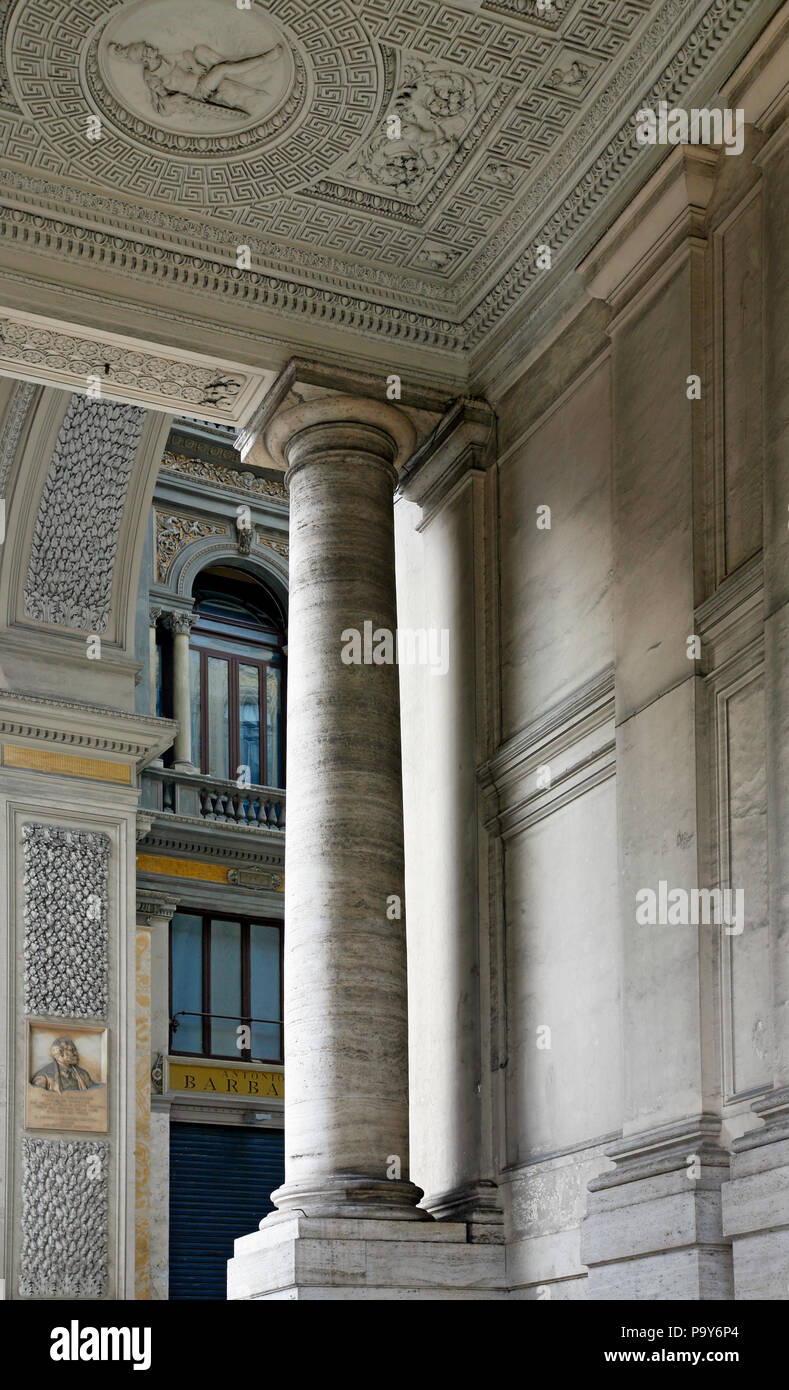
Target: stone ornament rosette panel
(65, 917)
(72, 558)
(65, 1216)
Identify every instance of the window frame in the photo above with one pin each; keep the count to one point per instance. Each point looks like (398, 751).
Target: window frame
(245, 923)
(200, 639)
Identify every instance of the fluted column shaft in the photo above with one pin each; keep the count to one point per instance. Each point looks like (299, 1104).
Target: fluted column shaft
(346, 1107)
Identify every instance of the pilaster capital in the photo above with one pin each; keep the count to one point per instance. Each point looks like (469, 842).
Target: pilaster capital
(154, 614)
(668, 212)
(155, 910)
(463, 442)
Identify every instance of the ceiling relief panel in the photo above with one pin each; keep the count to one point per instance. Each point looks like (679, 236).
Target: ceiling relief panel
(196, 90)
(390, 164)
(200, 103)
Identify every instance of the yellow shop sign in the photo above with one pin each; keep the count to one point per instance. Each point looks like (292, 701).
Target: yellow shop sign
(227, 1081)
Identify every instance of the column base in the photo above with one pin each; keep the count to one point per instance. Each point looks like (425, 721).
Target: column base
(756, 1203)
(653, 1227)
(295, 1257)
(353, 1196)
(180, 766)
(477, 1205)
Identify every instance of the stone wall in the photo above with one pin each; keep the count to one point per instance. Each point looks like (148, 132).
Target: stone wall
(632, 1123)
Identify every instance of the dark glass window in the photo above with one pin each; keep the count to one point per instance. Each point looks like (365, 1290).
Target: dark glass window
(225, 972)
(238, 680)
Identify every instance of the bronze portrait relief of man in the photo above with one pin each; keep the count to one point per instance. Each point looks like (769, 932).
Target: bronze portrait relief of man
(63, 1073)
(67, 1077)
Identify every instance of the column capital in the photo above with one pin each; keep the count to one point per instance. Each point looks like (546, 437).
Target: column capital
(154, 614)
(179, 621)
(340, 424)
(307, 382)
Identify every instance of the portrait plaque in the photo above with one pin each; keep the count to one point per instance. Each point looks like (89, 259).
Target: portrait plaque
(66, 1077)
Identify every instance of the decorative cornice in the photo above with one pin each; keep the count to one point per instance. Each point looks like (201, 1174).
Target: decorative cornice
(79, 725)
(144, 260)
(233, 479)
(179, 834)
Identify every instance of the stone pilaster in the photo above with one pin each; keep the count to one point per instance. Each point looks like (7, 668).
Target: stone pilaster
(756, 1200)
(653, 1226)
(154, 913)
(68, 799)
(154, 615)
(447, 523)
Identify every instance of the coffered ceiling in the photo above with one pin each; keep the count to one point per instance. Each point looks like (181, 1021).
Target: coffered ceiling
(391, 165)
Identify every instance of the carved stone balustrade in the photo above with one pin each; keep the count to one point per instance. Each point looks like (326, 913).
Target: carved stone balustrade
(185, 795)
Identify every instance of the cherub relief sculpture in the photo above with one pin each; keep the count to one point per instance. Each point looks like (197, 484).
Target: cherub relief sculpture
(434, 107)
(200, 82)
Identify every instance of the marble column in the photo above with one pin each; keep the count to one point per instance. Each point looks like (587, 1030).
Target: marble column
(346, 1106)
(347, 1224)
(181, 625)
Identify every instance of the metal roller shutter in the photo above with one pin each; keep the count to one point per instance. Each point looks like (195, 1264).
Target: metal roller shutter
(220, 1180)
